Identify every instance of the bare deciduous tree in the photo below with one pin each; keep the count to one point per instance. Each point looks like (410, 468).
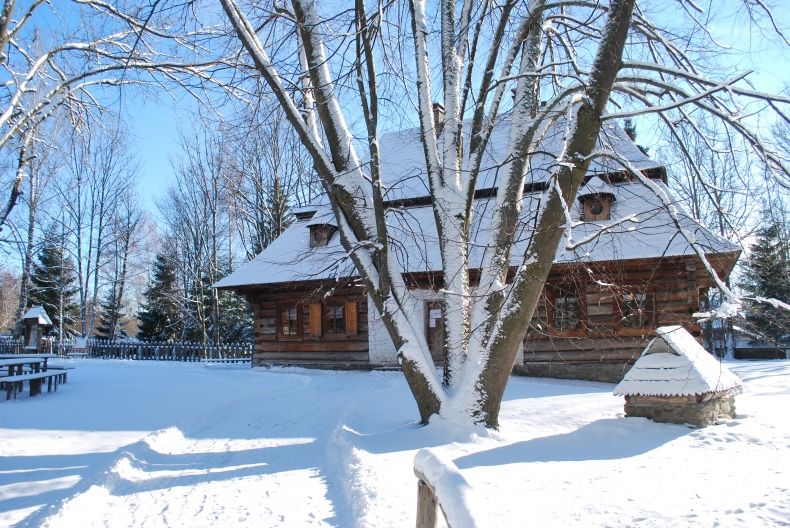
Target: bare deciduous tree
(99, 173)
(587, 62)
(270, 174)
(61, 57)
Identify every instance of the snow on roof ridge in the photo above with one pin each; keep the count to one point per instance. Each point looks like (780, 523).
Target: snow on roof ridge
(322, 216)
(37, 312)
(597, 185)
(675, 364)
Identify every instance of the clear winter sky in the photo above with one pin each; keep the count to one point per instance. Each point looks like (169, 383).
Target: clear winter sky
(156, 124)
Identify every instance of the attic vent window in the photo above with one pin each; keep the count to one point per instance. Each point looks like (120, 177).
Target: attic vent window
(596, 200)
(320, 234)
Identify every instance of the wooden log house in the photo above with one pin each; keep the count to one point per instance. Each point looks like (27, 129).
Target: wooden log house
(624, 268)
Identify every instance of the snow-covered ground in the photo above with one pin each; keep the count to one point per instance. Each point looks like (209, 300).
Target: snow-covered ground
(163, 444)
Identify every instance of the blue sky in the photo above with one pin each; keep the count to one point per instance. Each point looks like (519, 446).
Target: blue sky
(156, 123)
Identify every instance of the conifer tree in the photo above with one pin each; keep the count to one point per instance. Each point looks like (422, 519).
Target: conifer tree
(235, 319)
(767, 275)
(630, 129)
(53, 286)
(111, 316)
(160, 318)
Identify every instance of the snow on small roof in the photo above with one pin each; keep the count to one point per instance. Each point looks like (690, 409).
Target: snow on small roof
(38, 313)
(675, 364)
(596, 186)
(322, 216)
(649, 232)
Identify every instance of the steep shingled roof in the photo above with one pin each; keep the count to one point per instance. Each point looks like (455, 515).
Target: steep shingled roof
(640, 226)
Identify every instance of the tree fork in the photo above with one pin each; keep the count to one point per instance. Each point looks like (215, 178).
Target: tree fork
(528, 284)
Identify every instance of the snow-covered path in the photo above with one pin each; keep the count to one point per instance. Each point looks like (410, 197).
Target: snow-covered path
(163, 444)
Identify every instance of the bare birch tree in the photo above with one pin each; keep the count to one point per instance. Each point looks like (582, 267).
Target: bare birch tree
(196, 214)
(99, 172)
(124, 238)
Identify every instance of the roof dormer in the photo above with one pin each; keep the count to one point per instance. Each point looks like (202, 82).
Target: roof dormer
(322, 226)
(596, 198)
(320, 234)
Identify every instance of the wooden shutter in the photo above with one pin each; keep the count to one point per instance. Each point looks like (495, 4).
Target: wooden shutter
(351, 318)
(315, 319)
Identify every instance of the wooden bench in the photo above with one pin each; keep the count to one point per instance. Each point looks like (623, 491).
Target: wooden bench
(73, 355)
(14, 384)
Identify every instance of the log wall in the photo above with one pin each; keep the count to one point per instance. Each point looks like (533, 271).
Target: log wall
(314, 344)
(604, 347)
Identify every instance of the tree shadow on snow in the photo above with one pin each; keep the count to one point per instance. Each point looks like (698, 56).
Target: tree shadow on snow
(608, 439)
(137, 468)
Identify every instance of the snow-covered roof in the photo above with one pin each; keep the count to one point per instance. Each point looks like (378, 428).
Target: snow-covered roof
(596, 187)
(38, 314)
(403, 159)
(322, 216)
(675, 364)
(639, 229)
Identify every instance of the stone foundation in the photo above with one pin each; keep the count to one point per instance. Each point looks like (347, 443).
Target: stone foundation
(699, 411)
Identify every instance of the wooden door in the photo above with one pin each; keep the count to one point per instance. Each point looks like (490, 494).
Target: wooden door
(434, 330)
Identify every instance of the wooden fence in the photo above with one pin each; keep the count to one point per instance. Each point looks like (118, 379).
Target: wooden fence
(11, 346)
(168, 351)
(440, 486)
(141, 350)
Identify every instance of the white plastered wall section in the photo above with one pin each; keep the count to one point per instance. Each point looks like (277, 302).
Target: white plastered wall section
(380, 347)
(381, 351)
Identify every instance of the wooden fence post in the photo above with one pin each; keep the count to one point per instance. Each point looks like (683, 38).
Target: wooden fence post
(426, 506)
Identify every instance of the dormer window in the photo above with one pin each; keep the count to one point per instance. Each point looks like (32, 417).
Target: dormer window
(596, 200)
(597, 207)
(320, 234)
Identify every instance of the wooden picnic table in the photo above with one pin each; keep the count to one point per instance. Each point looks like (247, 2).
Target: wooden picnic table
(16, 363)
(44, 357)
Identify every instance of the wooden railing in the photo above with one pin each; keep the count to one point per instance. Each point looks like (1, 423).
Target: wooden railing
(441, 485)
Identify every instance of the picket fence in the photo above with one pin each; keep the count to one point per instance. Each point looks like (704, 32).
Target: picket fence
(140, 350)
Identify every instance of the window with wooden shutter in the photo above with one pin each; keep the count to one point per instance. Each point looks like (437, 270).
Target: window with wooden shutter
(351, 318)
(637, 313)
(335, 319)
(566, 312)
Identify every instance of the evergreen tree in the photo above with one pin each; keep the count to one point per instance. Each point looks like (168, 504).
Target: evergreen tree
(767, 275)
(160, 318)
(111, 316)
(53, 286)
(235, 318)
(630, 130)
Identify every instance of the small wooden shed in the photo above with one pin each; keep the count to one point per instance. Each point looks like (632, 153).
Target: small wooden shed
(36, 322)
(677, 381)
